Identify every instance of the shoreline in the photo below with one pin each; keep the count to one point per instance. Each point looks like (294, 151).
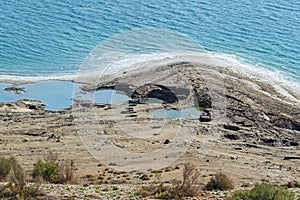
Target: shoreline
(217, 59)
(284, 90)
(224, 63)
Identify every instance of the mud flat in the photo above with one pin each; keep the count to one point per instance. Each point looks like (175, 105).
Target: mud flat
(248, 129)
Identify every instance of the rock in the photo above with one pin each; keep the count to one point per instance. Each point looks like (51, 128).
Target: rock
(265, 117)
(247, 123)
(269, 141)
(54, 137)
(286, 123)
(154, 91)
(166, 96)
(231, 127)
(238, 148)
(131, 115)
(205, 118)
(296, 126)
(85, 104)
(113, 164)
(231, 136)
(204, 100)
(31, 104)
(294, 143)
(15, 89)
(238, 119)
(291, 158)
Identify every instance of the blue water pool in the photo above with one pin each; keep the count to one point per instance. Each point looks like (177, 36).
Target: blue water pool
(105, 96)
(59, 94)
(173, 114)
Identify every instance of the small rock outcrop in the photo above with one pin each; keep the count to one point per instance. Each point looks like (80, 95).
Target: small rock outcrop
(32, 104)
(15, 89)
(154, 91)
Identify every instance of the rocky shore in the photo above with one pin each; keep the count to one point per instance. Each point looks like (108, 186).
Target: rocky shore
(253, 127)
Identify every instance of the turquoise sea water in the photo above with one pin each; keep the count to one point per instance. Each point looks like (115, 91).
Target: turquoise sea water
(43, 37)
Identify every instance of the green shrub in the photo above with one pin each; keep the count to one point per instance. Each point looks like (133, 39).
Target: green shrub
(264, 191)
(50, 170)
(220, 182)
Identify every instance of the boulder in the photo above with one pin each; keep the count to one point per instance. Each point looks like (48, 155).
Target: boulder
(231, 127)
(154, 91)
(15, 89)
(231, 136)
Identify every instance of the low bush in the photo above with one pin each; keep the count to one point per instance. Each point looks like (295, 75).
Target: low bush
(220, 182)
(52, 171)
(20, 192)
(48, 171)
(187, 187)
(5, 167)
(67, 172)
(17, 188)
(263, 191)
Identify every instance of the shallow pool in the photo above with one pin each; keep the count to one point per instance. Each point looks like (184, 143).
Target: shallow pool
(59, 94)
(56, 94)
(105, 96)
(173, 114)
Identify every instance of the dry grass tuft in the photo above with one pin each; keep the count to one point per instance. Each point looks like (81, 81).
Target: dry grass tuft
(187, 187)
(220, 182)
(17, 188)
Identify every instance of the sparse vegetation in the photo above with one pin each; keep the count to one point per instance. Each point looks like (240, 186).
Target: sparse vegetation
(5, 166)
(115, 188)
(67, 172)
(17, 188)
(20, 192)
(50, 170)
(47, 171)
(220, 182)
(263, 191)
(187, 187)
